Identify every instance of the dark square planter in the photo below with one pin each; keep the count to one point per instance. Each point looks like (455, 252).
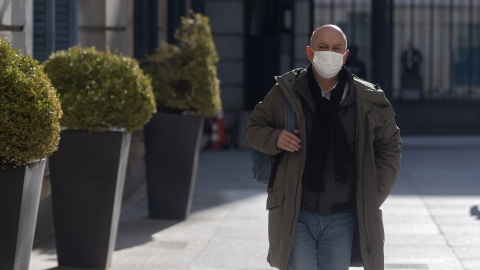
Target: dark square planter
(87, 178)
(172, 144)
(20, 189)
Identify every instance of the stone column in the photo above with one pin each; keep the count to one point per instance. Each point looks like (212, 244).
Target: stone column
(302, 31)
(106, 23)
(227, 24)
(16, 23)
(162, 21)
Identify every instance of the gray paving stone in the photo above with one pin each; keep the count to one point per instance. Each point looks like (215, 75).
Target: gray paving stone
(414, 240)
(234, 229)
(451, 202)
(238, 254)
(412, 228)
(193, 229)
(467, 229)
(451, 212)
(471, 264)
(467, 252)
(425, 253)
(216, 212)
(419, 263)
(458, 239)
(456, 220)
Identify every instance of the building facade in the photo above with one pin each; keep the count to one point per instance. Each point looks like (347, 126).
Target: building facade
(258, 39)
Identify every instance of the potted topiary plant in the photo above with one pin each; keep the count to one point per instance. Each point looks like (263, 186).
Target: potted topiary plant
(105, 96)
(184, 79)
(29, 121)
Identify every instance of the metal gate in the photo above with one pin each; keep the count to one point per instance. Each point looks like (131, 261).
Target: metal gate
(435, 48)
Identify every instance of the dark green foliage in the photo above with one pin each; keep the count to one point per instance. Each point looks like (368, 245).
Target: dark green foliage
(100, 91)
(29, 109)
(184, 76)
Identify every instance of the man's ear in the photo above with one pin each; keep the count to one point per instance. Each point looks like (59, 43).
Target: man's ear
(309, 53)
(345, 56)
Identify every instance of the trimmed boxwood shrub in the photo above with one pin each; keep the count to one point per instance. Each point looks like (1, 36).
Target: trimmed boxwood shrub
(185, 75)
(29, 109)
(100, 91)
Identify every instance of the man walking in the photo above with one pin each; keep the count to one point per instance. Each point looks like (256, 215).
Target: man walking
(338, 166)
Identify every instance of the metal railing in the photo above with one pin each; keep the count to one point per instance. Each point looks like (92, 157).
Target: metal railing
(436, 44)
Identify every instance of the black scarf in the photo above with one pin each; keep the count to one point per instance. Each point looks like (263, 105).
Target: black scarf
(327, 127)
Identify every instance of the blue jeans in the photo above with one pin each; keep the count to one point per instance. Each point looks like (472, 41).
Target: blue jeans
(322, 242)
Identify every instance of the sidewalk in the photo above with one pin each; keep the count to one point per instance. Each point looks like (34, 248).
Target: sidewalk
(432, 218)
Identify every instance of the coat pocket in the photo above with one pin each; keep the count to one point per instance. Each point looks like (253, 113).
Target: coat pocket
(275, 199)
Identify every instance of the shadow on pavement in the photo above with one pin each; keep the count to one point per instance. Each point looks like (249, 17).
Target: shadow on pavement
(223, 177)
(137, 230)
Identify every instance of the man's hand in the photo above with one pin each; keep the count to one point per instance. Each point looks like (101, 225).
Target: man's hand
(288, 141)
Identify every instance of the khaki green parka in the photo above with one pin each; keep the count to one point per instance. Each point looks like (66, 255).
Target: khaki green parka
(378, 153)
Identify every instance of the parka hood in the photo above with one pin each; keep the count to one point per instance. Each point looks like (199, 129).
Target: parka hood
(371, 97)
(287, 80)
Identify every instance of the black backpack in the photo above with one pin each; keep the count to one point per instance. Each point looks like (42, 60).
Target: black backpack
(264, 167)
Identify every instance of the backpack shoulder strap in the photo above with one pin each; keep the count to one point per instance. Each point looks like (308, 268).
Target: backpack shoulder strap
(289, 116)
(289, 126)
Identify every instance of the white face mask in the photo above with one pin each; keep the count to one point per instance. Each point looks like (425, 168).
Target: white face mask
(327, 63)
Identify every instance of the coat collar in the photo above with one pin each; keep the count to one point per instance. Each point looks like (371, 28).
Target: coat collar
(297, 80)
(368, 96)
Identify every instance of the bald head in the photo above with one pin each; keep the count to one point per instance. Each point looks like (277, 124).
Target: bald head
(327, 38)
(330, 35)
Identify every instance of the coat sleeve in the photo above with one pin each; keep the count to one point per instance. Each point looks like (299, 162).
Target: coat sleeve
(388, 153)
(262, 128)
